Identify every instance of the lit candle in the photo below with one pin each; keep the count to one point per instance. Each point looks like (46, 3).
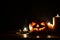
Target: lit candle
(57, 15)
(25, 29)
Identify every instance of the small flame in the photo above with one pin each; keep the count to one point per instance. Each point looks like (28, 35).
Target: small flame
(49, 23)
(25, 29)
(57, 15)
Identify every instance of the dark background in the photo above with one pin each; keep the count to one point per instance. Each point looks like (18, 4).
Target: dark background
(15, 12)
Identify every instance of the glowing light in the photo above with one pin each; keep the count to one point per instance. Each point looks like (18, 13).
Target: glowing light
(57, 15)
(25, 35)
(53, 21)
(36, 29)
(50, 25)
(37, 25)
(41, 28)
(43, 23)
(37, 36)
(48, 36)
(33, 23)
(30, 27)
(25, 29)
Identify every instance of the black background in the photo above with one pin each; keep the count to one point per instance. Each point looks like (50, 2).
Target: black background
(15, 12)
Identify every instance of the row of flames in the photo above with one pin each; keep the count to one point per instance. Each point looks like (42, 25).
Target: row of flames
(50, 26)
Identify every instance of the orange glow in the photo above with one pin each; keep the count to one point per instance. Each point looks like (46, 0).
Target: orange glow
(36, 29)
(30, 27)
(43, 23)
(33, 23)
(25, 35)
(41, 28)
(50, 25)
(37, 25)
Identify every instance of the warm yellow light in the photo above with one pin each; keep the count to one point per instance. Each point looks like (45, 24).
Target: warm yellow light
(30, 27)
(25, 35)
(48, 36)
(50, 25)
(25, 29)
(37, 36)
(53, 21)
(57, 15)
(43, 23)
(33, 23)
(37, 25)
(36, 29)
(41, 28)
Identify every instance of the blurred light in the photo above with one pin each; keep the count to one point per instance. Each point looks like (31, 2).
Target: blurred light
(36, 29)
(53, 21)
(37, 25)
(33, 23)
(17, 33)
(30, 27)
(57, 15)
(25, 35)
(43, 23)
(25, 29)
(20, 30)
(50, 25)
(42, 28)
(39, 29)
(37, 36)
(48, 36)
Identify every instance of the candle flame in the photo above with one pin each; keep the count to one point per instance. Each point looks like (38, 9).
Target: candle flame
(25, 29)
(57, 15)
